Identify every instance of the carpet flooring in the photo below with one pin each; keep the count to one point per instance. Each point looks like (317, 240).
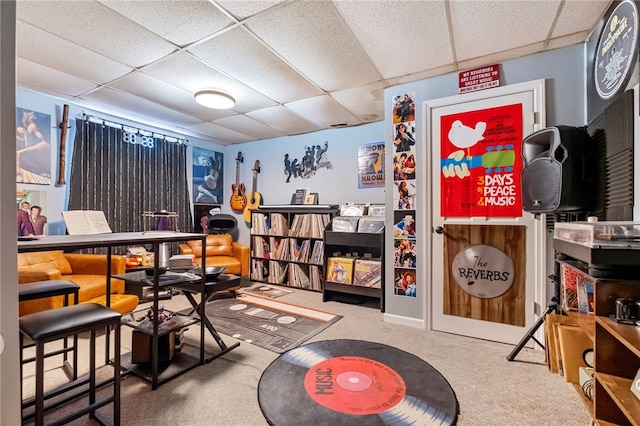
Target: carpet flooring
(490, 390)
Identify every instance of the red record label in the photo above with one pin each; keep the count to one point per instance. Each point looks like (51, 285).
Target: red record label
(354, 385)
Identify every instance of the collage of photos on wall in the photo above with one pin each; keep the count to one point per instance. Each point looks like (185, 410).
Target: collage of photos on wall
(404, 196)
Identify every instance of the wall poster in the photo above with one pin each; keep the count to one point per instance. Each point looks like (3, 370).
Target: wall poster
(481, 163)
(314, 158)
(371, 165)
(404, 195)
(33, 147)
(207, 176)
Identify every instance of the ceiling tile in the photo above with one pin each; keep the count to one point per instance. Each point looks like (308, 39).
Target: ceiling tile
(121, 104)
(185, 71)
(242, 57)
(181, 22)
(419, 39)
(569, 40)
(283, 120)
(316, 41)
(157, 91)
(39, 78)
(41, 47)
(248, 126)
(518, 23)
(575, 17)
(497, 58)
(219, 134)
(323, 111)
(365, 102)
(423, 75)
(88, 23)
(243, 9)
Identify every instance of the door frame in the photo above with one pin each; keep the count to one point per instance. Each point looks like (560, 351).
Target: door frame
(539, 252)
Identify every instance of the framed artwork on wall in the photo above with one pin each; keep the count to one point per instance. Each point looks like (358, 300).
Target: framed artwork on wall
(33, 147)
(207, 176)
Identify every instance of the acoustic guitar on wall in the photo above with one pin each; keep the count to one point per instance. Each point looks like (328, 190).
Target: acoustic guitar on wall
(255, 198)
(238, 199)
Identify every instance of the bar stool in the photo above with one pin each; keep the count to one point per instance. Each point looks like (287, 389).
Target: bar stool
(51, 288)
(55, 324)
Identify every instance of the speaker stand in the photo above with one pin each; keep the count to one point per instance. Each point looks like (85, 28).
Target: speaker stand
(551, 308)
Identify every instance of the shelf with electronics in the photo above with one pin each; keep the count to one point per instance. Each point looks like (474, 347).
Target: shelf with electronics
(600, 291)
(354, 259)
(287, 244)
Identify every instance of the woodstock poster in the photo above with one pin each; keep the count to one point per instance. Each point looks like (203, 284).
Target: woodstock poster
(481, 162)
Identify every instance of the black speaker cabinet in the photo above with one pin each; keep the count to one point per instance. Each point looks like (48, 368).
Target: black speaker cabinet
(559, 170)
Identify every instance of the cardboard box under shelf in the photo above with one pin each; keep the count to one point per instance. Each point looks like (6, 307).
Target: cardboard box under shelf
(141, 347)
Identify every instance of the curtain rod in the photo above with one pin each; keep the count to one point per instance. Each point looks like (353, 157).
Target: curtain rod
(133, 129)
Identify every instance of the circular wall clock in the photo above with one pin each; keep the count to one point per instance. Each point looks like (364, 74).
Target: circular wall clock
(617, 50)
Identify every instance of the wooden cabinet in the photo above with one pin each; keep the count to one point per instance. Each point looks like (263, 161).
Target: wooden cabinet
(358, 247)
(287, 244)
(616, 345)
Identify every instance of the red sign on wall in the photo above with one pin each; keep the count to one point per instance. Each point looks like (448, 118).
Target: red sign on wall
(481, 163)
(479, 79)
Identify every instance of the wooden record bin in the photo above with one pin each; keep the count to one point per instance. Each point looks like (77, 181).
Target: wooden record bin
(616, 344)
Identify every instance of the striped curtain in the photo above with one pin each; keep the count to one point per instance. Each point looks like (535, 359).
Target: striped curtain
(126, 175)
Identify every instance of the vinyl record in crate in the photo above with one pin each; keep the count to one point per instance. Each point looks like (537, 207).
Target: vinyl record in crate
(354, 382)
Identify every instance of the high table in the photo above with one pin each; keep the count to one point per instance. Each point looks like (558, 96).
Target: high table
(108, 241)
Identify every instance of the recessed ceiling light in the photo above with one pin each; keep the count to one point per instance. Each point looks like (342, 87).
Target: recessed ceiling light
(214, 98)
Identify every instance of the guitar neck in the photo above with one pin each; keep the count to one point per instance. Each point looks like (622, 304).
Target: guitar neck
(255, 182)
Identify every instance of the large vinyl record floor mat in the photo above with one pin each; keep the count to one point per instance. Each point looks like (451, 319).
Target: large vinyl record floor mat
(354, 382)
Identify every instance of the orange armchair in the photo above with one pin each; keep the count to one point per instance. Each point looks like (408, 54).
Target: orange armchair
(220, 250)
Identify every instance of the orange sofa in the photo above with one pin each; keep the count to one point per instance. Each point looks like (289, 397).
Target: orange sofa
(87, 270)
(221, 250)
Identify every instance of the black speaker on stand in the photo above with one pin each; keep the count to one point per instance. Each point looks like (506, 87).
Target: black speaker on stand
(559, 170)
(559, 175)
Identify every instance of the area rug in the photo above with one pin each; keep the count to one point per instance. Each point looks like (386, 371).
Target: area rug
(267, 323)
(354, 382)
(267, 291)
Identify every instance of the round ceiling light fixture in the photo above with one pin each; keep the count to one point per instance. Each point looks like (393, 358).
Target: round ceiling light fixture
(214, 98)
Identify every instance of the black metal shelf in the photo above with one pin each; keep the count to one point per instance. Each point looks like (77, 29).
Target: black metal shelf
(359, 244)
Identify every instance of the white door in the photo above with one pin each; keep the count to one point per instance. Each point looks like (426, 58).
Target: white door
(488, 264)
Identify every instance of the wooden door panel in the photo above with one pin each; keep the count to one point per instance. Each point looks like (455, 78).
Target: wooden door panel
(508, 308)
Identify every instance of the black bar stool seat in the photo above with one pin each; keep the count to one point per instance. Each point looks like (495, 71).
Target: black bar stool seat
(51, 288)
(42, 289)
(55, 324)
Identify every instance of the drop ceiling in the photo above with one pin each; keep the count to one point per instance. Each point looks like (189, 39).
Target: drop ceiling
(293, 66)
